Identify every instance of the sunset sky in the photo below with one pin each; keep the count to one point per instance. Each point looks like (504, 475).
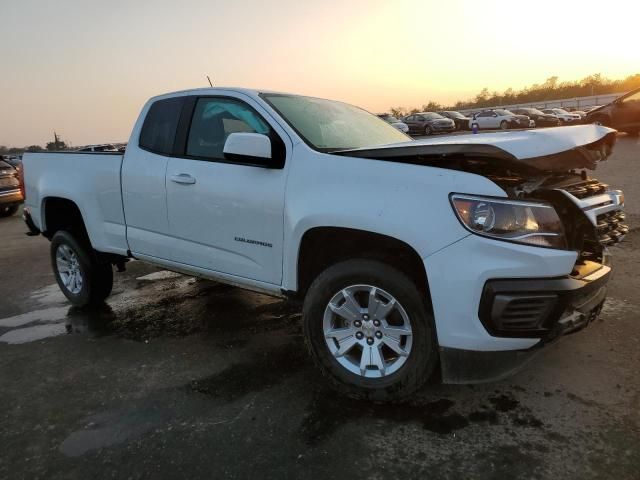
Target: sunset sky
(85, 67)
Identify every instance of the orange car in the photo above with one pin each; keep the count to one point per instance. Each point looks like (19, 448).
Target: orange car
(11, 194)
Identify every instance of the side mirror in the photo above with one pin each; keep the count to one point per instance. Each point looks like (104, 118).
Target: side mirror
(253, 148)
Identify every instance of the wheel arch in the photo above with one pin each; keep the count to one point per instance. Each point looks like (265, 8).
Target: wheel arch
(323, 246)
(60, 213)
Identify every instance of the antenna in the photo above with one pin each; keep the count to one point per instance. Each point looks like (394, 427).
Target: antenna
(211, 84)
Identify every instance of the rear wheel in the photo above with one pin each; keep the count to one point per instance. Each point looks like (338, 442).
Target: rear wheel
(369, 330)
(8, 210)
(427, 130)
(81, 275)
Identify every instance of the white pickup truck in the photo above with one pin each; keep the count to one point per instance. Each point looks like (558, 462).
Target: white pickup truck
(461, 255)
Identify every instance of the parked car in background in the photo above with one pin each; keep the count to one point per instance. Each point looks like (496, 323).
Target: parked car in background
(461, 121)
(13, 160)
(622, 114)
(499, 118)
(11, 193)
(394, 122)
(429, 123)
(541, 119)
(106, 147)
(522, 121)
(565, 117)
(579, 112)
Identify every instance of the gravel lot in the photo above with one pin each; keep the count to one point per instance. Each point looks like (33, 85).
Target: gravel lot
(185, 378)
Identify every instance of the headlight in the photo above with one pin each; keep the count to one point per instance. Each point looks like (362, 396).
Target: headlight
(531, 223)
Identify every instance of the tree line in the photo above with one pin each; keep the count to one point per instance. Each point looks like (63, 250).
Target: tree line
(57, 144)
(551, 89)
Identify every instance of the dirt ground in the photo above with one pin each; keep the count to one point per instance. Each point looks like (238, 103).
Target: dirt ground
(183, 378)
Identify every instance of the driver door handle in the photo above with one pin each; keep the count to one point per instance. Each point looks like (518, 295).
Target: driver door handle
(183, 178)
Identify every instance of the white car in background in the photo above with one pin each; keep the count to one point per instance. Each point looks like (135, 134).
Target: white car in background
(394, 122)
(499, 118)
(565, 117)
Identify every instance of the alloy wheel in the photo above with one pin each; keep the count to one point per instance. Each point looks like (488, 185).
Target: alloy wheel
(69, 269)
(367, 331)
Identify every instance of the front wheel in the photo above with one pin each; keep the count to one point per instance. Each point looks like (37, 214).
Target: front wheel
(427, 130)
(81, 275)
(504, 125)
(369, 330)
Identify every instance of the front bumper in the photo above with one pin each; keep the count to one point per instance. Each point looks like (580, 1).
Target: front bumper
(547, 123)
(544, 308)
(443, 128)
(519, 124)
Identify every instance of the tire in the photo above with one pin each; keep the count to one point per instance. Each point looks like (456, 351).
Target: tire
(8, 210)
(427, 130)
(95, 276)
(401, 376)
(504, 125)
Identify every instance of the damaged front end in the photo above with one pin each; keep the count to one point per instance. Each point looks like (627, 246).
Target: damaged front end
(591, 212)
(552, 168)
(549, 165)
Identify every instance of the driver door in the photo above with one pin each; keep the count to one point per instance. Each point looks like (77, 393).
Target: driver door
(224, 215)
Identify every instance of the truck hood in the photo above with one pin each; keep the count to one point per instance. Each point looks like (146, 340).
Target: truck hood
(549, 149)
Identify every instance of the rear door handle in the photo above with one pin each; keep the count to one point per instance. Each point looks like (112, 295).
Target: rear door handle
(183, 178)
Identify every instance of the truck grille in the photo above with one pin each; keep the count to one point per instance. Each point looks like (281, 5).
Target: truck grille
(603, 221)
(588, 188)
(610, 227)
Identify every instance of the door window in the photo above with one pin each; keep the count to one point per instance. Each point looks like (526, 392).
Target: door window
(214, 119)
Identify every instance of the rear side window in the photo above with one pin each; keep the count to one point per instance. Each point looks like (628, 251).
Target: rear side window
(159, 128)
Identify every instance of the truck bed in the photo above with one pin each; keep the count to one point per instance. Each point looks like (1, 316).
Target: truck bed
(91, 180)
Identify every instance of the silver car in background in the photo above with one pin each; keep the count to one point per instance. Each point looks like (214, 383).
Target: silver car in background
(394, 122)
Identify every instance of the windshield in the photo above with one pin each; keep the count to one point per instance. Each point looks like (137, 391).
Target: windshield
(454, 114)
(431, 115)
(502, 112)
(328, 125)
(534, 111)
(389, 118)
(559, 110)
